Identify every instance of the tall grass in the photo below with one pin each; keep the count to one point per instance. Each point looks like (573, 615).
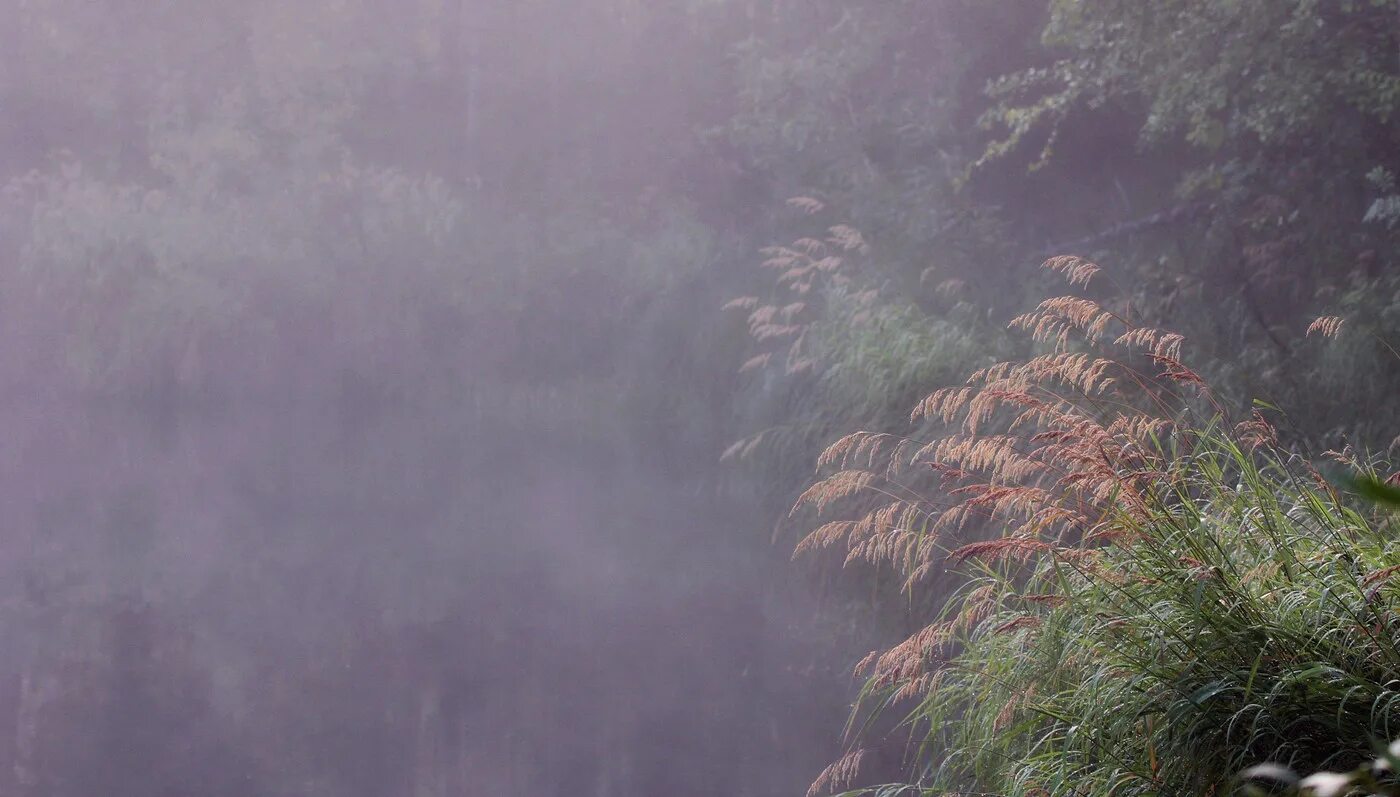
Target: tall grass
(834, 348)
(1153, 595)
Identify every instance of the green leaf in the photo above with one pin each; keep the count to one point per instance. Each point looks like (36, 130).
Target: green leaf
(1376, 491)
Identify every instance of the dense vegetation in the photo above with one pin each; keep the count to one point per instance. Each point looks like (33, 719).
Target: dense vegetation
(1119, 574)
(374, 424)
(1155, 597)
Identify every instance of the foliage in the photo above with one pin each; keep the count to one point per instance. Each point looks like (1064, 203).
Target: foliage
(1154, 598)
(1228, 150)
(1375, 777)
(1217, 74)
(831, 350)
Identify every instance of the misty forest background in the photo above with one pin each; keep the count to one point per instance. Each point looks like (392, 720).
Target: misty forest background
(367, 389)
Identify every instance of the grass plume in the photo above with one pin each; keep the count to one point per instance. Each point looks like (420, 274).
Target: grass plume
(1154, 595)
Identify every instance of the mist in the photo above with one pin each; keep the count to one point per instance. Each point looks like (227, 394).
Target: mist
(338, 455)
(430, 397)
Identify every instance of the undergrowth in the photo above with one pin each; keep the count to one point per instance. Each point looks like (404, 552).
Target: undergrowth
(1154, 595)
(834, 350)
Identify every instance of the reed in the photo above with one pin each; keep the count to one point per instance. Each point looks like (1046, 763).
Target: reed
(1148, 594)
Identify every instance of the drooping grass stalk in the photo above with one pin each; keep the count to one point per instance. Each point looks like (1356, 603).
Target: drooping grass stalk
(1152, 596)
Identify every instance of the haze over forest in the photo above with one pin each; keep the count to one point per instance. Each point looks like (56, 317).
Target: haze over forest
(546, 397)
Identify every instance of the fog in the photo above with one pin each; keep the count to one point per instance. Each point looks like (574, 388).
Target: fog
(344, 453)
(410, 397)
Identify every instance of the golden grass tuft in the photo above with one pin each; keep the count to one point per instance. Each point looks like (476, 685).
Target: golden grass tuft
(1328, 326)
(840, 774)
(1075, 270)
(806, 204)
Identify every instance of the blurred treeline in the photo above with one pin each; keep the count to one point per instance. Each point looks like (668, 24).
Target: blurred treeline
(363, 398)
(310, 307)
